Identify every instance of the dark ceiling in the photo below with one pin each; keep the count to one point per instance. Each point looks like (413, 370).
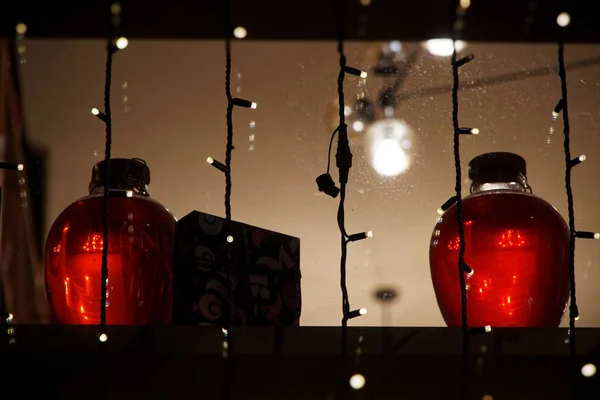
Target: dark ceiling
(485, 21)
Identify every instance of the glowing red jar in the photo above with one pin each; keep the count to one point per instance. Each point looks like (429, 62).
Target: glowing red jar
(516, 243)
(140, 253)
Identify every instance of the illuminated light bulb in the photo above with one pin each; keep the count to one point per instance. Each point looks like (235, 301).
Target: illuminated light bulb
(210, 160)
(395, 46)
(229, 239)
(21, 28)
(347, 111)
(563, 19)
(488, 328)
(465, 3)
(358, 126)
(582, 158)
(443, 47)
(122, 43)
(475, 131)
(588, 370)
(240, 32)
(9, 318)
(129, 193)
(95, 111)
(362, 311)
(357, 381)
(253, 106)
(363, 74)
(224, 332)
(370, 234)
(20, 167)
(103, 337)
(596, 235)
(440, 211)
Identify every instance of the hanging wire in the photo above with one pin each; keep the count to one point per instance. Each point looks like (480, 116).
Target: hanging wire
(573, 311)
(110, 49)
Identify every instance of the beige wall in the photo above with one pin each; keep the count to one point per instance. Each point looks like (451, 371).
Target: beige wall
(176, 118)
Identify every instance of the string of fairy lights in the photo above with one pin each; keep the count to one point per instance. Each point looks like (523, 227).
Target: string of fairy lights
(240, 33)
(113, 44)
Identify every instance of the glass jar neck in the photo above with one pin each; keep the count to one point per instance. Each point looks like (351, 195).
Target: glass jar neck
(515, 183)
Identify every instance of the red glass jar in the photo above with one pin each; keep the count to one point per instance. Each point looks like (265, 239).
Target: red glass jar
(140, 253)
(517, 245)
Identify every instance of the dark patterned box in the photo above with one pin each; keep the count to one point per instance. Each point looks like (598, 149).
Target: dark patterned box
(265, 272)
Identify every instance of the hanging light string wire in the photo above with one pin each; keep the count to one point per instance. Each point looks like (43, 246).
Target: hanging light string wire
(573, 311)
(458, 190)
(110, 50)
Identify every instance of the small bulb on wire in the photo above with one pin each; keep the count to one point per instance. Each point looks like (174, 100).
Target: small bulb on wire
(465, 60)
(244, 103)
(21, 28)
(11, 166)
(355, 72)
(588, 370)
(360, 236)
(240, 32)
(468, 131)
(356, 313)
(229, 239)
(577, 160)
(446, 205)
(587, 235)
(103, 337)
(218, 165)
(482, 329)
(557, 109)
(357, 381)
(122, 43)
(563, 20)
(100, 115)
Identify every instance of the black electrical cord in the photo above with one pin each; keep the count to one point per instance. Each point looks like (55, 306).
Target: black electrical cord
(110, 49)
(458, 189)
(229, 368)
(573, 311)
(344, 163)
(330, 146)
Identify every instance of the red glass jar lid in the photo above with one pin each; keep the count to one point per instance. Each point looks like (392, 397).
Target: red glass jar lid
(497, 167)
(125, 173)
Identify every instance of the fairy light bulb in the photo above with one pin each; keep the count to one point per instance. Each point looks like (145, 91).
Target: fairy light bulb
(240, 32)
(103, 337)
(21, 28)
(588, 370)
(229, 239)
(357, 381)
(362, 311)
(122, 43)
(253, 106)
(95, 111)
(563, 19)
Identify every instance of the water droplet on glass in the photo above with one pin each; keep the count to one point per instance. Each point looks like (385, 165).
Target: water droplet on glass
(252, 124)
